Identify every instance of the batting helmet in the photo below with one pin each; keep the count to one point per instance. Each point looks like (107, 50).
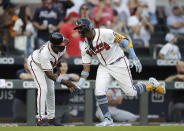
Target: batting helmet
(57, 39)
(84, 24)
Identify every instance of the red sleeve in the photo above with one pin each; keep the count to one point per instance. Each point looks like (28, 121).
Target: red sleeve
(64, 30)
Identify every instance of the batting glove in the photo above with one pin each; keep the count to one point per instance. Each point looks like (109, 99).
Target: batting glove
(137, 64)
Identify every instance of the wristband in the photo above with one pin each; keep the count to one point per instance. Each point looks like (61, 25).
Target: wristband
(58, 79)
(66, 78)
(71, 76)
(85, 73)
(81, 82)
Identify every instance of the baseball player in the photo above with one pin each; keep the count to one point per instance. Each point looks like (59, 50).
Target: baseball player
(41, 63)
(105, 45)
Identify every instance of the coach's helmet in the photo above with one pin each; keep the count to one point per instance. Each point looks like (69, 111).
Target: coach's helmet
(57, 39)
(83, 26)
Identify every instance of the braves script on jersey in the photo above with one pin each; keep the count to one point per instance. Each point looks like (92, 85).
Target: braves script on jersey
(104, 48)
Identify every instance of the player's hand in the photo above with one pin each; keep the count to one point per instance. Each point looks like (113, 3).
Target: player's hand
(70, 85)
(76, 91)
(79, 86)
(137, 64)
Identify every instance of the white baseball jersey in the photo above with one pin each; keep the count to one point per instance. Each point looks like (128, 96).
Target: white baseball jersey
(44, 59)
(170, 51)
(114, 63)
(104, 48)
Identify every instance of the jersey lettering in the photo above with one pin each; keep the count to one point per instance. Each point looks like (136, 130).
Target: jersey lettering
(100, 47)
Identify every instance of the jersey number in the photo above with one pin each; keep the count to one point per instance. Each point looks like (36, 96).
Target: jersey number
(100, 47)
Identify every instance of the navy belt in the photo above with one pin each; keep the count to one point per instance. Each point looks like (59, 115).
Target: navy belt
(117, 60)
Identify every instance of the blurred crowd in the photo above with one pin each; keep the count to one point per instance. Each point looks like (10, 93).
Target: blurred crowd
(23, 28)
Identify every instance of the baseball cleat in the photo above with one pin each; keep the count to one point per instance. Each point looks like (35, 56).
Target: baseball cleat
(157, 87)
(43, 122)
(53, 122)
(106, 122)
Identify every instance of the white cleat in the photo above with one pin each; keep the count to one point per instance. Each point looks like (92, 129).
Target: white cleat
(106, 122)
(158, 88)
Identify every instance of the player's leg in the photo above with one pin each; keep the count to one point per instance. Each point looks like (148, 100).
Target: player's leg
(50, 100)
(121, 72)
(39, 78)
(103, 80)
(50, 103)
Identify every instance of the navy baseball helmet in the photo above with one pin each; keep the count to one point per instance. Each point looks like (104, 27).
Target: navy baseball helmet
(57, 39)
(84, 26)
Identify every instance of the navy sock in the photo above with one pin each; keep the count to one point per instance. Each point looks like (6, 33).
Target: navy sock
(103, 104)
(140, 88)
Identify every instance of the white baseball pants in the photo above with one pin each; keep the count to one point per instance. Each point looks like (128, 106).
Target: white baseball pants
(46, 94)
(120, 71)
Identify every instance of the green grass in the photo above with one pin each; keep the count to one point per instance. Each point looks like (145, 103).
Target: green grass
(93, 128)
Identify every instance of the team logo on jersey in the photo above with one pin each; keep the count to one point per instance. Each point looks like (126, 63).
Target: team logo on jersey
(100, 47)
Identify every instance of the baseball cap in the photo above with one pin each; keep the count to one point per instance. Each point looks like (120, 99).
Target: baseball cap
(71, 14)
(169, 37)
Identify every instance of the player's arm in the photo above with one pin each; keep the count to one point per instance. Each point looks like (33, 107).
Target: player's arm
(84, 75)
(125, 43)
(59, 80)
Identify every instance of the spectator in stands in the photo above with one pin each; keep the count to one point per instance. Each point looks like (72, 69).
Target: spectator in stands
(175, 22)
(114, 97)
(62, 6)
(132, 6)
(19, 102)
(103, 14)
(168, 8)
(176, 104)
(47, 19)
(122, 7)
(66, 29)
(92, 4)
(84, 12)
(150, 9)
(8, 19)
(24, 31)
(180, 73)
(170, 50)
(118, 25)
(62, 96)
(77, 4)
(140, 27)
